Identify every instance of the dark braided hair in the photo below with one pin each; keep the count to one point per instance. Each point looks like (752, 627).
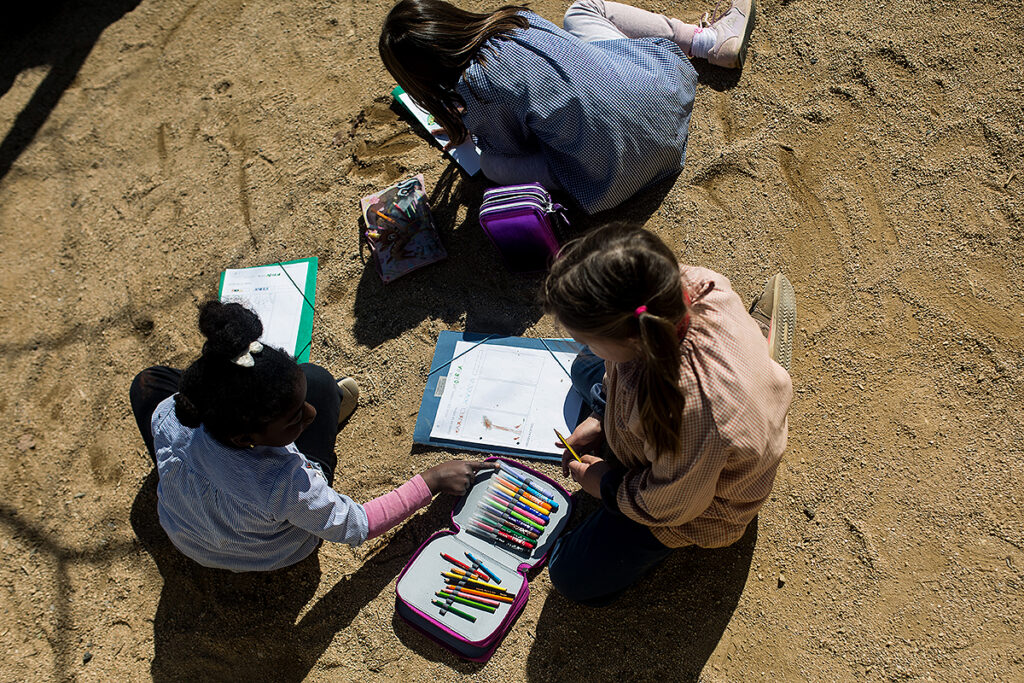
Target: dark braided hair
(228, 399)
(597, 284)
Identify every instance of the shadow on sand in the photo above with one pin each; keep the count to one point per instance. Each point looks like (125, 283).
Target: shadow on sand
(217, 625)
(54, 33)
(663, 629)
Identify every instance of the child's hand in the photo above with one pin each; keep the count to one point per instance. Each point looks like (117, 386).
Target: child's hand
(454, 476)
(586, 438)
(588, 473)
(449, 146)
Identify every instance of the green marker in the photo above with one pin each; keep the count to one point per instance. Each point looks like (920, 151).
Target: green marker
(465, 601)
(453, 610)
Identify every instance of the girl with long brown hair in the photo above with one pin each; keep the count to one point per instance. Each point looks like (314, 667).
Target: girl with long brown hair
(600, 109)
(686, 393)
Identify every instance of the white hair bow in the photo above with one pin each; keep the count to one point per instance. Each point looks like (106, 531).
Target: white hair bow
(246, 360)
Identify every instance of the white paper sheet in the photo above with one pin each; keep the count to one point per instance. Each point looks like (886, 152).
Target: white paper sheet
(467, 155)
(268, 291)
(507, 396)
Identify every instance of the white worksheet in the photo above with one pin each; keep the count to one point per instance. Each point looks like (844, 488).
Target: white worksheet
(276, 299)
(507, 396)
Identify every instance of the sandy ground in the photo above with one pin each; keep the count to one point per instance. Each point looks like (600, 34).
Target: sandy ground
(871, 150)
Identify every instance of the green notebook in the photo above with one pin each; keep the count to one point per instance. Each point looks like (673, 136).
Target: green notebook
(282, 296)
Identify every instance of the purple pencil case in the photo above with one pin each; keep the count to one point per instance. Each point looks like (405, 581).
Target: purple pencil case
(423, 577)
(519, 221)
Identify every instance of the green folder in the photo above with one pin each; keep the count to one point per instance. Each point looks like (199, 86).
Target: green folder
(282, 295)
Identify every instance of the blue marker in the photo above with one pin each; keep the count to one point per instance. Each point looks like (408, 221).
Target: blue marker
(520, 507)
(531, 486)
(483, 567)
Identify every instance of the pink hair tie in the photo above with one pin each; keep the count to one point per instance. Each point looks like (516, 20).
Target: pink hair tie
(639, 310)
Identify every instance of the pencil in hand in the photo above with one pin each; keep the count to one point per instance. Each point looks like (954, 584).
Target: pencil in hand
(566, 444)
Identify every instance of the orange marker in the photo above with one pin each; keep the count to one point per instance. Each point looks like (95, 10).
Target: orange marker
(528, 496)
(385, 217)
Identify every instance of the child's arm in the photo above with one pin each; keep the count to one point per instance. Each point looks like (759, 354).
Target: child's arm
(309, 503)
(391, 509)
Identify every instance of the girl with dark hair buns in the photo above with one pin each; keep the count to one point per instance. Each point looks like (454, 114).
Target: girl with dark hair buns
(243, 441)
(686, 391)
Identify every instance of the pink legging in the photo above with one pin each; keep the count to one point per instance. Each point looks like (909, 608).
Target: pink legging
(592, 20)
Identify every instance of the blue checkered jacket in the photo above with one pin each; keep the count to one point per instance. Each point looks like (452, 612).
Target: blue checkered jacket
(610, 117)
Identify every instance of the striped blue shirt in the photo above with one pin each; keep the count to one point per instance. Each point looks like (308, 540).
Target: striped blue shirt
(610, 117)
(245, 509)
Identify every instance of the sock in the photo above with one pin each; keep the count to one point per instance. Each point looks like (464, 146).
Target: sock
(704, 38)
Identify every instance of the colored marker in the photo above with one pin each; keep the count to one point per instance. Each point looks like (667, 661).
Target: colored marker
(483, 595)
(515, 531)
(459, 563)
(487, 599)
(531, 486)
(465, 601)
(499, 504)
(506, 518)
(545, 506)
(521, 499)
(522, 509)
(480, 564)
(487, 590)
(385, 217)
(445, 606)
(489, 514)
(504, 534)
(468, 575)
(567, 446)
(481, 584)
(498, 534)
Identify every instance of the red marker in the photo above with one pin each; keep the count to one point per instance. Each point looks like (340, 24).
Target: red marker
(465, 566)
(501, 534)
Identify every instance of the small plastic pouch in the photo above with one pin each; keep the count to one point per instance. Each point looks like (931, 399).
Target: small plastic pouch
(519, 220)
(435, 594)
(400, 229)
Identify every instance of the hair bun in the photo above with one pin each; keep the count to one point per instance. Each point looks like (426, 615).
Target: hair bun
(229, 328)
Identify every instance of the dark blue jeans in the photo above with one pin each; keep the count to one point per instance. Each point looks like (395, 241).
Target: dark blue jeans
(587, 375)
(606, 554)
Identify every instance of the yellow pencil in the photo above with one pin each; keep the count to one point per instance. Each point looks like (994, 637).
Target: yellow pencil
(566, 444)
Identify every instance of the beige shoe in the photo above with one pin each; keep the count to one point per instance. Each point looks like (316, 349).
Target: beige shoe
(349, 390)
(733, 30)
(775, 313)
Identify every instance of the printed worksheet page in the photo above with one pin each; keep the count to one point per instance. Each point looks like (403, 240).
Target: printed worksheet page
(275, 298)
(509, 397)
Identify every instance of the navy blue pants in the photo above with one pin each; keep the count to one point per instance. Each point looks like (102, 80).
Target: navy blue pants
(151, 386)
(606, 554)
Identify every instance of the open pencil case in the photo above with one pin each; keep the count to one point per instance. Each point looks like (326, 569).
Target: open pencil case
(474, 632)
(520, 221)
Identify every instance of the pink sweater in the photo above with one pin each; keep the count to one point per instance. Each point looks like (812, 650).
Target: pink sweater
(392, 508)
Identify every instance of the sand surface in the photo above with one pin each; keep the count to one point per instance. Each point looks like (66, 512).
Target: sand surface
(871, 150)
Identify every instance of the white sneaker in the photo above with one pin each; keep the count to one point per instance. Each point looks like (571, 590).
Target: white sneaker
(733, 30)
(349, 390)
(775, 312)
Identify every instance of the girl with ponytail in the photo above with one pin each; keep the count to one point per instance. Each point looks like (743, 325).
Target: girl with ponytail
(243, 441)
(686, 392)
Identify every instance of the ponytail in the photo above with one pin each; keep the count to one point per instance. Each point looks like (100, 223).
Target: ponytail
(623, 283)
(236, 386)
(661, 400)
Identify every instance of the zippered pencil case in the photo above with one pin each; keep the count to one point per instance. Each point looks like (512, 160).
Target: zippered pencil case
(464, 588)
(519, 220)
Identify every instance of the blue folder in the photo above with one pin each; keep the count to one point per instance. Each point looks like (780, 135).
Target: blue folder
(443, 355)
